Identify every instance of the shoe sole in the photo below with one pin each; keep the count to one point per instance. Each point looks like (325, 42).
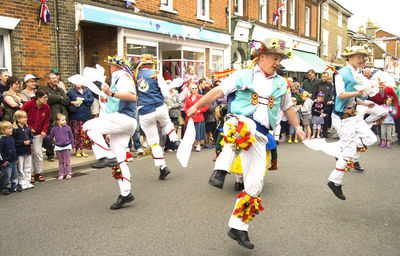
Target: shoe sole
(237, 240)
(333, 190)
(219, 185)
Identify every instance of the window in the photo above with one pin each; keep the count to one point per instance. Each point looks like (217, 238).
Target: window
(284, 15)
(325, 40)
(5, 51)
(203, 10)
(167, 6)
(175, 63)
(292, 14)
(217, 61)
(339, 21)
(339, 47)
(326, 11)
(238, 7)
(307, 22)
(135, 49)
(263, 11)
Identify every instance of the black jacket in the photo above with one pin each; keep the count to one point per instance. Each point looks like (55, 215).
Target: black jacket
(20, 135)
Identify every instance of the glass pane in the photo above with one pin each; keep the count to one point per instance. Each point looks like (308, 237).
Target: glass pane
(171, 69)
(2, 53)
(135, 49)
(171, 55)
(198, 66)
(193, 55)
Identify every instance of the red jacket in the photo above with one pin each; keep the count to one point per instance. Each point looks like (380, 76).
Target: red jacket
(199, 114)
(38, 118)
(380, 100)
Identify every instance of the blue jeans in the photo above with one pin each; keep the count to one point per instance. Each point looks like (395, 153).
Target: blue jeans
(9, 176)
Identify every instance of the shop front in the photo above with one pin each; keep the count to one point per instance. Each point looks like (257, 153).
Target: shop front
(175, 46)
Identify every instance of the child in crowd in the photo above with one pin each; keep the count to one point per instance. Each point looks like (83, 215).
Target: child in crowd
(291, 128)
(305, 110)
(318, 111)
(388, 123)
(23, 139)
(64, 142)
(8, 160)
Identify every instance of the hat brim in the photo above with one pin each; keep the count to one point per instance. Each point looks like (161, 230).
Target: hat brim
(347, 54)
(278, 52)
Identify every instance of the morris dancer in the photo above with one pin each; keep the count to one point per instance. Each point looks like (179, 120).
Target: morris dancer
(258, 93)
(354, 133)
(119, 121)
(151, 91)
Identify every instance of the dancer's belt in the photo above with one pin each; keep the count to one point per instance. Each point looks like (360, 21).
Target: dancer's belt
(343, 115)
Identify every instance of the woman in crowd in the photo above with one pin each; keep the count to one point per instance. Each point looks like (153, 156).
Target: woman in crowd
(82, 99)
(12, 99)
(29, 87)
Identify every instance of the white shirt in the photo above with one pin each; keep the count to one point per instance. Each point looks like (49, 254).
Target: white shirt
(263, 87)
(124, 83)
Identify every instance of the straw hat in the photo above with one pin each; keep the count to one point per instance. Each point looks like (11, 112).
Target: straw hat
(357, 49)
(271, 45)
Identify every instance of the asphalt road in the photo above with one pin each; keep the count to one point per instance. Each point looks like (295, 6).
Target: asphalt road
(183, 215)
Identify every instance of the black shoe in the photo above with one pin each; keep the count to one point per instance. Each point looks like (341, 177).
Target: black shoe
(5, 191)
(176, 144)
(358, 167)
(121, 201)
(217, 178)
(19, 188)
(104, 162)
(241, 237)
(239, 186)
(337, 190)
(164, 173)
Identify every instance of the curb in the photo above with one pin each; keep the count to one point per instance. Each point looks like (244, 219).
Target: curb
(53, 172)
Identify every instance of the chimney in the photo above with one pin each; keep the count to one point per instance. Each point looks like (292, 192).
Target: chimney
(371, 29)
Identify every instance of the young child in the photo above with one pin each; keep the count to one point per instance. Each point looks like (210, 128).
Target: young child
(23, 139)
(291, 128)
(388, 123)
(64, 141)
(318, 111)
(306, 112)
(8, 160)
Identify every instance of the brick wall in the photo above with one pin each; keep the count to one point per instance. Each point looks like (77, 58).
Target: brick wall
(187, 11)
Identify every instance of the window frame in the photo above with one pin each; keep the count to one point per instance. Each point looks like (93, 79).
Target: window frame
(292, 14)
(168, 7)
(7, 50)
(206, 16)
(284, 14)
(326, 12)
(307, 18)
(340, 19)
(239, 7)
(262, 15)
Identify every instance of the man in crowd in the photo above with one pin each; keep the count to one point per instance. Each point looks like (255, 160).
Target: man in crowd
(327, 89)
(259, 94)
(3, 79)
(58, 102)
(311, 82)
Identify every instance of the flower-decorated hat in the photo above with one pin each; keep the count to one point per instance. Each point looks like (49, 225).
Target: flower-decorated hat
(357, 49)
(147, 59)
(320, 94)
(118, 60)
(271, 45)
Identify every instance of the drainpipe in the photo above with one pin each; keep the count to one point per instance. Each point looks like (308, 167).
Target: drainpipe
(229, 17)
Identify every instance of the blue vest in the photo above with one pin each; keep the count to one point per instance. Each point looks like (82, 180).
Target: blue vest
(149, 94)
(117, 105)
(246, 99)
(349, 84)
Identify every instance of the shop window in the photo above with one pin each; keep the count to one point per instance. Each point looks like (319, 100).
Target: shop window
(238, 7)
(175, 63)
(167, 6)
(135, 50)
(203, 10)
(263, 11)
(217, 59)
(283, 15)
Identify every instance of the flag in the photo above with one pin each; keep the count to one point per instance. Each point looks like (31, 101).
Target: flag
(44, 14)
(336, 53)
(278, 13)
(136, 10)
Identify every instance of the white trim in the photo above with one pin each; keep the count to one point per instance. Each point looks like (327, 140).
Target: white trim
(193, 49)
(326, 12)
(284, 14)
(168, 8)
(307, 21)
(7, 50)
(340, 19)
(263, 6)
(120, 41)
(8, 23)
(206, 16)
(293, 14)
(325, 42)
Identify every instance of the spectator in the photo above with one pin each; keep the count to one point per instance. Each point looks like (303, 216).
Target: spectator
(12, 99)
(295, 89)
(29, 87)
(8, 160)
(291, 127)
(23, 140)
(3, 80)
(38, 113)
(384, 92)
(318, 112)
(58, 102)
(174, 105)
(305, 110)
(190, 76)
(81, 98)
(397, 121)
(204, 86)
(387, 125)
(64, 141)
(311, 82)
(198, 118)
(58, 75)
(326, 87)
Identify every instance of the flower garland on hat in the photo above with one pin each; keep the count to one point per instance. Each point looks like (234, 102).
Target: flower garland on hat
(273, 46)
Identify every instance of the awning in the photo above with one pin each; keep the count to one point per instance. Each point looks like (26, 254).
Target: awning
(313, 60)
(296, 64)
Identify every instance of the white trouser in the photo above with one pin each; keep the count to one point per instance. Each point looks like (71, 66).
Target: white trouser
(375, 113)
(253, 165)
(353, 133)
(24, 169)
(37, 154)
(120, 127)
(148, 123)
